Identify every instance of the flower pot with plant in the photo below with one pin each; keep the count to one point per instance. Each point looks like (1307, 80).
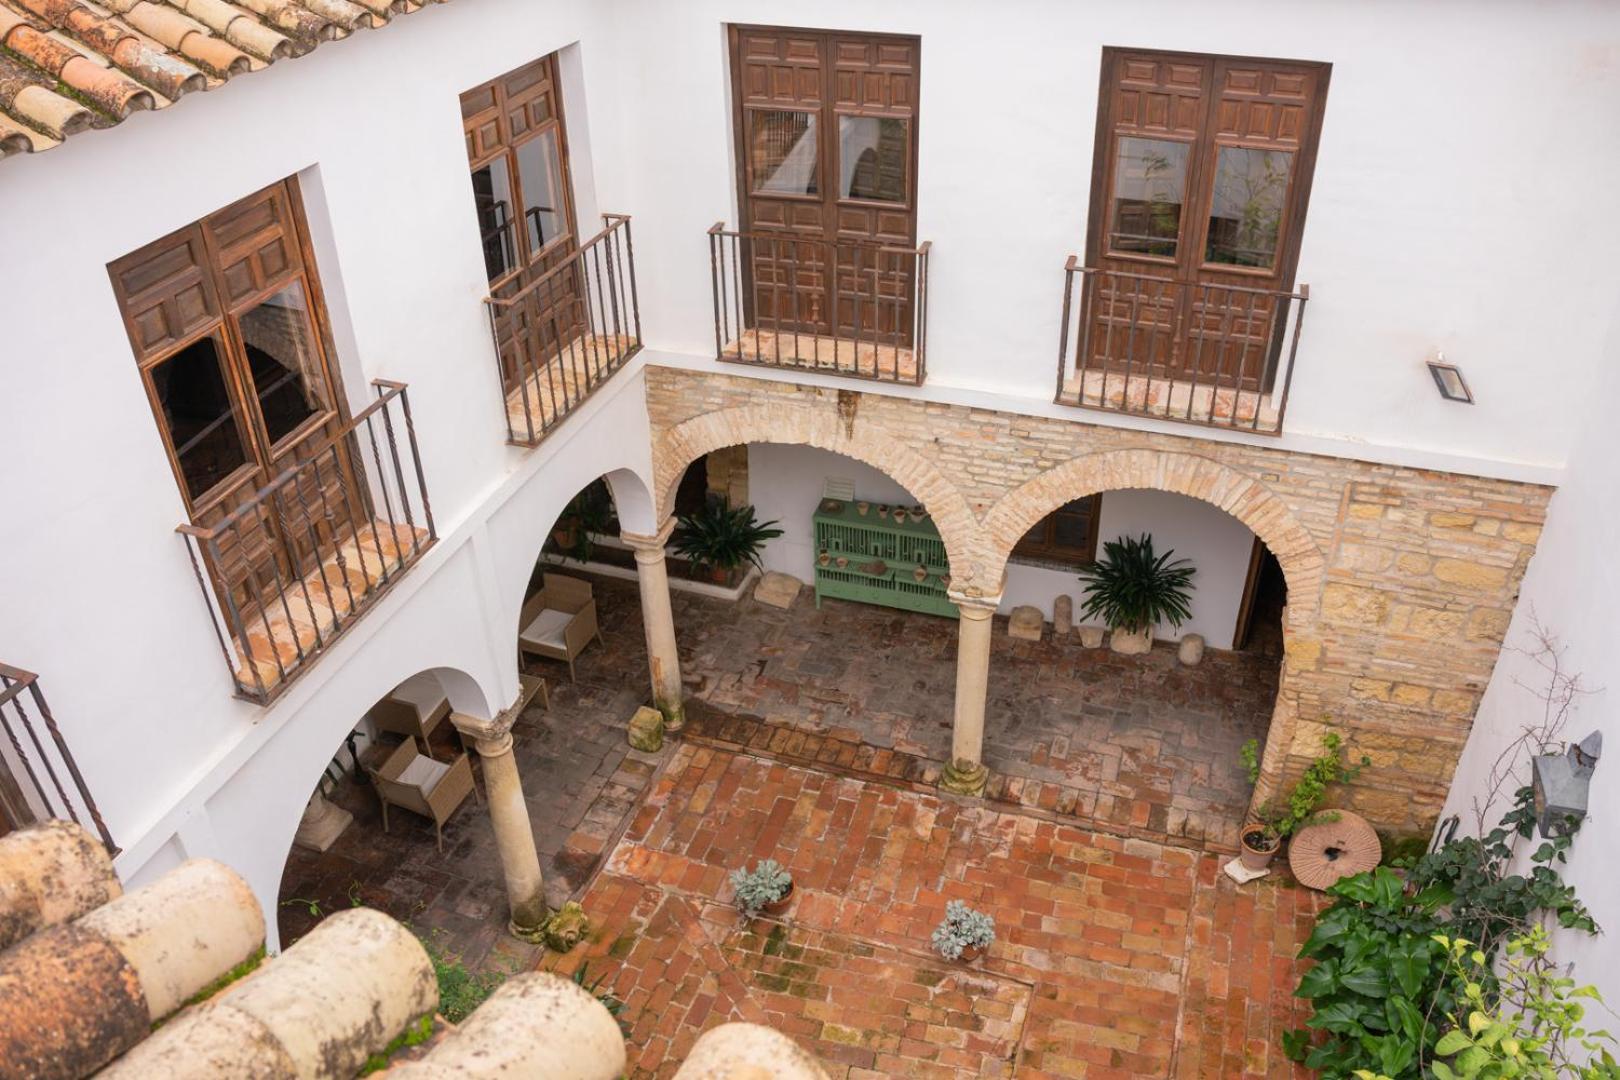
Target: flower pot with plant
(766, 888)
(1132, 589)
(718, 540)
(1263, 836)
(964, 934)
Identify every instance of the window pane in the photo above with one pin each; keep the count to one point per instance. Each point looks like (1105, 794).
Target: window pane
(541, 178)
(872, 158)
(782, 152)
(283, 360)
(190, 388)
(492, 194)
(1149, 180)
(1246, 209)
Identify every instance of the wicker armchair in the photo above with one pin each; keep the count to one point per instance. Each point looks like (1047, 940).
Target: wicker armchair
(559, 621)
(415, 709)
(423, 785)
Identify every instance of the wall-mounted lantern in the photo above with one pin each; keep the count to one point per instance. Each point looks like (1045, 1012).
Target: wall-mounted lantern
(1561, 783)
(1449, 380)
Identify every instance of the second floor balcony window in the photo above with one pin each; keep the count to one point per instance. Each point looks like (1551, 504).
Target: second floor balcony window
(1202, 174)
(824, 272)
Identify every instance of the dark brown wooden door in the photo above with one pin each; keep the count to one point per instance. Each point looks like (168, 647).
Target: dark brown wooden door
(517, 146)
(827, 134)
(1203, 169)
(227, 322)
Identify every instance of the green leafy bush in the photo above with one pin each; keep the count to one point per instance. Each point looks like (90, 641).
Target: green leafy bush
(460, 990)
(1132, 589)
(1328, 768)
(1384, 983)
(722, 538)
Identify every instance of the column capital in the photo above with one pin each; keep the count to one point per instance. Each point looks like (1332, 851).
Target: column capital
(652, 544)
(974, 607)
(497, 732)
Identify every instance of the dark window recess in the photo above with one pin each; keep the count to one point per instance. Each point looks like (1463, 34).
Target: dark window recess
(1067, 535)
(197, 410)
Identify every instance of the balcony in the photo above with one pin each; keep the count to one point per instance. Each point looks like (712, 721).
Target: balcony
(842, 307)
(1199, 353)
(292, 567)
(39, 779)
(562, 334)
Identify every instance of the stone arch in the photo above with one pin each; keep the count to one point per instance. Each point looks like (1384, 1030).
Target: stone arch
(633, 501)
(859, 438)
(1203, 478)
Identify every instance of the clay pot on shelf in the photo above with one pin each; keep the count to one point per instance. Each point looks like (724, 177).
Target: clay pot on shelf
(1255, 855)
(883, 511)
(862, 507)
(842, 561)
(920, 574)
(776, 907)
(823, 559)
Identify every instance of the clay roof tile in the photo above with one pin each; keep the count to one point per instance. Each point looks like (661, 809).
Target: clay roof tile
(69, 65)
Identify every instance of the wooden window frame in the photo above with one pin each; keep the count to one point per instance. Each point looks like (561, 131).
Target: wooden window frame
(508, 146)
(1045, 550)
(909, 120)
(224, 325)
(1200, 178)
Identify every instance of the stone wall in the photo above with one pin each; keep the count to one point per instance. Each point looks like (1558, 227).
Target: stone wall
(1401, 581)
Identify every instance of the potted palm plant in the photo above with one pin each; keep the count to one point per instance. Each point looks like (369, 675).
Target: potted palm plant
(1131, 588)
(718, 540)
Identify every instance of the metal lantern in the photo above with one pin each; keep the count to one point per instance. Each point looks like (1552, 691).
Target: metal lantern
(1561, 782)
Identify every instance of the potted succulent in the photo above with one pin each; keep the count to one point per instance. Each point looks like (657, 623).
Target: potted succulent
(718, 540)
(766, 888)
(1131, 588)
(964, 934)
(1262, 837)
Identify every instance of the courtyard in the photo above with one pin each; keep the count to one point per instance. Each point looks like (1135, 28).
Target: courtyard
(816, 737)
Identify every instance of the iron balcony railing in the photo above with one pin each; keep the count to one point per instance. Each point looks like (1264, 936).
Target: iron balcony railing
(292, 567)
(39, 779)
(562, 334)
(1197, 352)
(843, 307)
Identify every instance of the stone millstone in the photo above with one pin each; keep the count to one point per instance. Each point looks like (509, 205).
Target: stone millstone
(1027, 623)
(647, 729)
(1192, 649)
(1092, 636)
(1062, 615)
(567, 928)
(778, 590)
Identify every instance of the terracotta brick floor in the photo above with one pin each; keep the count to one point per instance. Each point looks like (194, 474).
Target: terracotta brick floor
(816, 737)
(1116, 957)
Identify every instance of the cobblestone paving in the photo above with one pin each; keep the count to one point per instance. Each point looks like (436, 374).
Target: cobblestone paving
(1115, 957)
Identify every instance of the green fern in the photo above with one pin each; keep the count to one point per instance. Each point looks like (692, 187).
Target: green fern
(1132, 589)
(723, 538)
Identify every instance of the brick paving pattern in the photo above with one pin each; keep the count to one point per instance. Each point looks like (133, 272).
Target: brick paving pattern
(1115, 957)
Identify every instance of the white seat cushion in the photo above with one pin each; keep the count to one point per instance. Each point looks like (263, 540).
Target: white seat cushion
(422, 692)
(547, 629)
(423, 772)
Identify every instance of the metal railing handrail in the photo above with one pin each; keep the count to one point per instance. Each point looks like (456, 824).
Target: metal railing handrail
(1265, 390)
(14, 682)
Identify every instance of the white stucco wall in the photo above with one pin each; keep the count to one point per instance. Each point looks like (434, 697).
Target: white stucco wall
(785, 483)
(1572, 588)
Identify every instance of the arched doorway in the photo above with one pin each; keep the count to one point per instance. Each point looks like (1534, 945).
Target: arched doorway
(1299, 559)
(403, 758)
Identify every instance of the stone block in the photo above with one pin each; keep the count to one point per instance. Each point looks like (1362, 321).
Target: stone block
(777, 589)
(1091, 637)
(647, 729)
(1192, 649)
(567, 927)
(1062, 615)
(1470, 575)
(1026, 623)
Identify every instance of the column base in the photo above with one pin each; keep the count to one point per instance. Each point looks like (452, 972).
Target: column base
(964, 778)
(534, 935)
(674, 716)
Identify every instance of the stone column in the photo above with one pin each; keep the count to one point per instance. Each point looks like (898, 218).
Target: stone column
(658, 620)
(509, 814)
(966, 774)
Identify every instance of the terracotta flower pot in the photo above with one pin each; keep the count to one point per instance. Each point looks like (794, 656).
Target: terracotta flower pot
(862, 507)
(970, 953)
(1254, 855)
(920, 574)
(776, 907)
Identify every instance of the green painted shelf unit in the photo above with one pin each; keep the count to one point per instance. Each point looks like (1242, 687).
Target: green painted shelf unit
(842, 531)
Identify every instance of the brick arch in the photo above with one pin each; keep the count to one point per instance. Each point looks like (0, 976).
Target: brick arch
(1205, 479)
(860, 439)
